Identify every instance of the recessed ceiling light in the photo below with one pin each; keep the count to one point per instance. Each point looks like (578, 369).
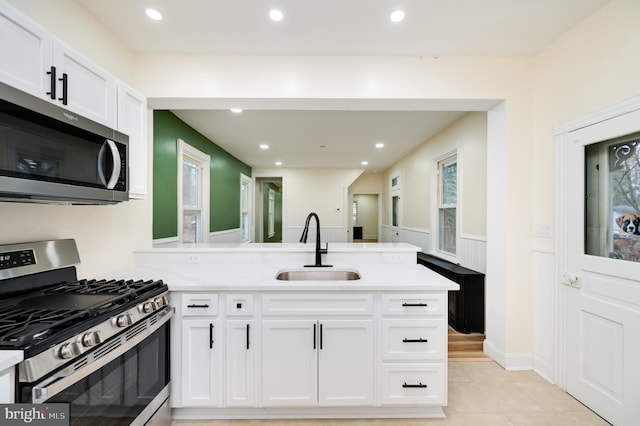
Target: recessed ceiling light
(278, 163)
(379, 145)
(153, 14)
(264, 146)
(236, 110)
(364, 163)
(397, 16)
(276, 15)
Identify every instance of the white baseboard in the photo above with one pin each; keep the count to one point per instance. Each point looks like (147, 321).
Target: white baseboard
(509, 361)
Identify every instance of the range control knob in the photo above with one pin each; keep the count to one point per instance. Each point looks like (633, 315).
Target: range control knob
(70, 350)
(161, 301)
(123, 320)
(147, 307)
(91, 338)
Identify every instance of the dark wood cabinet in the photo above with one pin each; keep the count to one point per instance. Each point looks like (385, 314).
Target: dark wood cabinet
(466, 306)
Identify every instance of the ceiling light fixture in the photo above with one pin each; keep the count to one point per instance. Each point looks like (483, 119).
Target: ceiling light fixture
(153, 14)
(397, 16)
(264, 146)
(278, 163)
(379, 145)
(364, 163)
(276, 15)
(236, 110)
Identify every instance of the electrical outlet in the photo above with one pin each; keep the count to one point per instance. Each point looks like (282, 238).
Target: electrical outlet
(193, 258)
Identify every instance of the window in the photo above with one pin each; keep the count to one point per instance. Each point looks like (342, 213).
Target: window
(354, 212)
(272, 220)
(245, 209)
(612, 198)
(447, 204)
(193, 194)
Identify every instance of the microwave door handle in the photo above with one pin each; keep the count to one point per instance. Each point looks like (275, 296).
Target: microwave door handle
(109, 148)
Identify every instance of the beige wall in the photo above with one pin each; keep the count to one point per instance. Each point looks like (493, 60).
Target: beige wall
(367, 214)
(469, 136)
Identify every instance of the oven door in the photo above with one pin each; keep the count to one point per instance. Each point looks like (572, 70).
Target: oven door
(127, 385)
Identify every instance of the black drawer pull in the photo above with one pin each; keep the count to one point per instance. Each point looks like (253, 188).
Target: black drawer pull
(419, 385)
(198, 306)
(210, 336)
(414, 304)
(420, 340)
(248, 336)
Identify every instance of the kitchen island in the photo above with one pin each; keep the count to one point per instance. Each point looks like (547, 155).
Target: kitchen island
(250, 342)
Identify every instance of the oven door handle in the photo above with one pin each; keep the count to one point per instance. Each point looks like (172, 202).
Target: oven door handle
(67, 377)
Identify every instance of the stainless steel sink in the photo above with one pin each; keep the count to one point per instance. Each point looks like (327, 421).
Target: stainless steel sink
(328, 274)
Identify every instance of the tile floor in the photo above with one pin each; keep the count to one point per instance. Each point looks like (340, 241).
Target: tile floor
(480, 393)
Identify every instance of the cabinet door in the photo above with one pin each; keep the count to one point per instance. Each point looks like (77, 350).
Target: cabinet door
(239, 363)
(132, 121)
(346, 359)
(90, 90)
(200, 363)
(289, 363)
(26, 53)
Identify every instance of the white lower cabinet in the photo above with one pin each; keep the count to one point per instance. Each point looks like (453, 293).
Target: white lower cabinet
(239, 366)
(282, 353)
(317, 362)
(200, 363)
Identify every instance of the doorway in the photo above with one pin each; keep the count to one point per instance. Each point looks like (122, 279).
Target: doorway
(268, 208)
(365, 218)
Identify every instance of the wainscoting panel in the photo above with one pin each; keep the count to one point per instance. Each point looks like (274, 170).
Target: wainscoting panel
(417, 237)
(328, 234)
(227, 236)
(544, 287)
(473, 253)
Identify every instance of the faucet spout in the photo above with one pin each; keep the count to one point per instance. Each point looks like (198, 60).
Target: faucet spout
(303, 239)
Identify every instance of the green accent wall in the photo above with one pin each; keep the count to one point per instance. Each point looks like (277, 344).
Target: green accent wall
(277, 214)
(224, 175)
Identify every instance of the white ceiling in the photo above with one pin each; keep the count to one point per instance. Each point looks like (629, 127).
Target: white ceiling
(334, 27)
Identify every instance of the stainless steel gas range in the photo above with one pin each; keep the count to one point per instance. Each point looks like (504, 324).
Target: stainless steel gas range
(101, 346)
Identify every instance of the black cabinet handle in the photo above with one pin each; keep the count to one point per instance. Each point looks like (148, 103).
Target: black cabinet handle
(248, 336)
(198, 306)
(413, 304)
(314, 336)
(210, 336)
(419, 385)
(52, 78)
(64, 88)
(320, 336)
(420, 340)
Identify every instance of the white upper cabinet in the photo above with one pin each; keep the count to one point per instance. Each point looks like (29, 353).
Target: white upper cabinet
(132, 121)
(83, 87)
(36, 62)
(26, 54)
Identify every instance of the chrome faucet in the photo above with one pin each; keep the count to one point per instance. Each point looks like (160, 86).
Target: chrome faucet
(319, 251)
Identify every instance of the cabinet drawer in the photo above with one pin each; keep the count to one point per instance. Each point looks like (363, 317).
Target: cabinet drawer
(317, 304)
(195, 304)
(413, 384)
(239, 305)
(414, 339)
(413, 304)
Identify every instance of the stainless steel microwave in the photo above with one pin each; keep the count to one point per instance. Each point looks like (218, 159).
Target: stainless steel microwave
(50, 155)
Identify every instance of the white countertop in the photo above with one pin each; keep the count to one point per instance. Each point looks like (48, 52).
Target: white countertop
(9, 359)
(262, 278)
(282, 247)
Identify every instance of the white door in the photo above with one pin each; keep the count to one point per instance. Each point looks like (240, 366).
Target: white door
(345, 362)
(599, 263)
(289, 363)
